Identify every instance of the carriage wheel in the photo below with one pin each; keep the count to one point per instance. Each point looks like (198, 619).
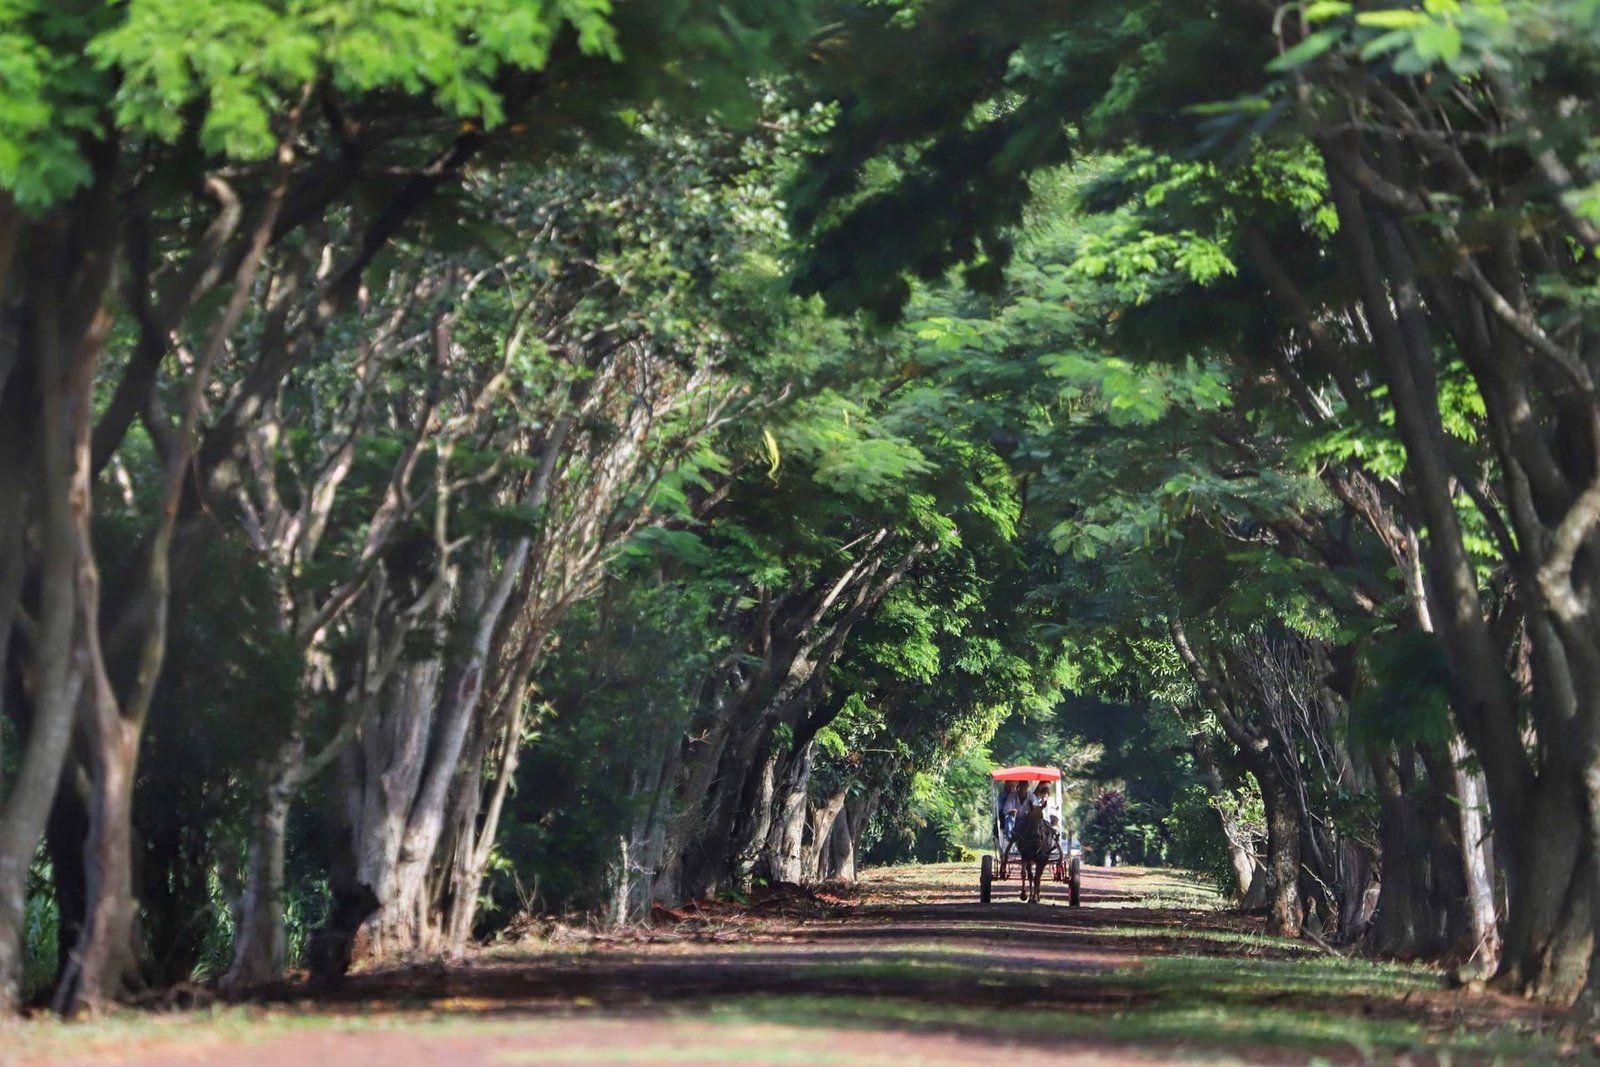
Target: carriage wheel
(1074, 880)
(985, 878)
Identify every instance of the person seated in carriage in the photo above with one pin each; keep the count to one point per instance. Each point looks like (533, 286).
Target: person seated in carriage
(1012, 804)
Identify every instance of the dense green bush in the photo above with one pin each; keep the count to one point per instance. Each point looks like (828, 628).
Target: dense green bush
(1197, 841)
(41, 925)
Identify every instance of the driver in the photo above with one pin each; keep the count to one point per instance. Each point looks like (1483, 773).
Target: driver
(1042, 798)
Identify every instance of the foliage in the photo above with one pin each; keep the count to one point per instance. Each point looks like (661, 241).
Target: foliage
(1196, 846)
(940, 818)
(1105, 830)
(616, 694)
(1408, 699)
(41, 933)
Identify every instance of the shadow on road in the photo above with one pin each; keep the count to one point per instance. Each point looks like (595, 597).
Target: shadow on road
(918, 954)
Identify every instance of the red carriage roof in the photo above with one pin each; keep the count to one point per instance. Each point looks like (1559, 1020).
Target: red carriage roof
(1026, 774)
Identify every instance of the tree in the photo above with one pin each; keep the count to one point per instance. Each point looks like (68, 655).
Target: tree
(1105, 831)
(198, 143)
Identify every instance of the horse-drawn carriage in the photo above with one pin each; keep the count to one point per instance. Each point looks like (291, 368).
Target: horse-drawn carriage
(1055, 850)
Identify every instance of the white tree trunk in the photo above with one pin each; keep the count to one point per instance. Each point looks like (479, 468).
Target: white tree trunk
(258, 933)
(1472, 799)
(259, 941)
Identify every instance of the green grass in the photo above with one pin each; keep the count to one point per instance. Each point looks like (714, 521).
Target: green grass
(1163, 889)
(1321, 976)
(61, 1040)
(1205, 1006)
(1194, 1027)
(1245, 941)
(1171, 977)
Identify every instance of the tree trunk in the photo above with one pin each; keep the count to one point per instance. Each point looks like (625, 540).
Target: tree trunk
(50, 393)
(64, 841)
(259, 940)
(384, 770)
(752, 822)
(413, 780)
(1545, 948)
(1585, 1009)
(1548, 931)
(476, 823)
(1283, 850)
(724, 798)
(1401, 924)
(839, 858)
(447, 916)
(648, 841)
(105, 958)
(692, 797)
(1241, 856)
(1272, 769)
(714, 851)
(258, 928)
(784, 857)
(1451, 903)
(1362, 888)
(857, 815)
(1477, 853)
(816, 854)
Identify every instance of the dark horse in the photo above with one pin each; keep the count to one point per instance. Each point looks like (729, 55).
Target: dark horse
(1034, 839)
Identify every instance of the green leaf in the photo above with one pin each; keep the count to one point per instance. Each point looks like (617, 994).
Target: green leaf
(1438, 40)
(774, 457)
(1307, 50)
(1323, 10)
(1399, 18)
(684, 545)
(1392, 41)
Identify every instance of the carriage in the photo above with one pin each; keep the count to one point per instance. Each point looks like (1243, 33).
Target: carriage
(1064, 865)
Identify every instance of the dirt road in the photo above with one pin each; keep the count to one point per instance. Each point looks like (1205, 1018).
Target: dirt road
(906, 969)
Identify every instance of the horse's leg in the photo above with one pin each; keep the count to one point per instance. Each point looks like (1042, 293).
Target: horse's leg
(1023, 863)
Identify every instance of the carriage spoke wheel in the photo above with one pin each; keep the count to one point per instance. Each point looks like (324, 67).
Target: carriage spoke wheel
(985, 878)
(1074, 880)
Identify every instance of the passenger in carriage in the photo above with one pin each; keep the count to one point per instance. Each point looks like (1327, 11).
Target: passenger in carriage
(1012, 804)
